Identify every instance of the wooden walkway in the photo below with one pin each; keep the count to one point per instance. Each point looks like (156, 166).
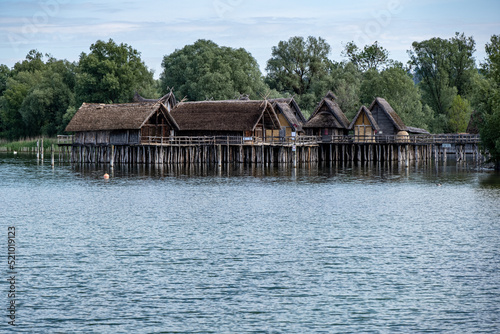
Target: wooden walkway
(227, 149)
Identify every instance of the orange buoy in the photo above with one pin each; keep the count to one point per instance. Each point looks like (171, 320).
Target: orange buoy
(106, 176)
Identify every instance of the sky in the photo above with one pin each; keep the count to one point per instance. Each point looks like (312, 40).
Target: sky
(66, 28)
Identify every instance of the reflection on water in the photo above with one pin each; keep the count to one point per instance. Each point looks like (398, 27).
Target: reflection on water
(259, 170)
(252, 248)
(450, 170)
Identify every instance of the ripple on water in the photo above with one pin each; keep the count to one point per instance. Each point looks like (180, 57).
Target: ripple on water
(253, 250)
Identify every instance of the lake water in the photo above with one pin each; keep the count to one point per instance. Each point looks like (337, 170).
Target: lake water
(323, 249)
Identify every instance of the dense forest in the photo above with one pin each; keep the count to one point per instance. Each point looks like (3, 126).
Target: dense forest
(437, 89)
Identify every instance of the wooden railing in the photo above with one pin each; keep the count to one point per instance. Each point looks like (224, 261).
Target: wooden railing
(460, 139)
(186, 140)
(439, 139)
(229, 140)
(292, 140)
(449, 139)
(64, 139)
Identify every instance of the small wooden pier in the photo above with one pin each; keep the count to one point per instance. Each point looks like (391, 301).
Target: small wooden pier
(276, 150)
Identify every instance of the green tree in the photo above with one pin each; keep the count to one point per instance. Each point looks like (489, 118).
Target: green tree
(46, 103)
(111, 73)
(371, 57)
(487, 101)
(36, 96)
(463, 66)
(459, 114)
(4, 75)
(345, 80)
(21, 79)
(32, 63)
(11, 101)
(490, 136)
(431, 61)
(491, 67)
(297, 64)
(205, 70)
(444, 68)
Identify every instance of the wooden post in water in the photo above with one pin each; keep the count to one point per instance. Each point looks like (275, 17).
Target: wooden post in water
(42, 150)
(52, 155)
(112, 158)
(219, 155)
(294, 153)
(407, 162)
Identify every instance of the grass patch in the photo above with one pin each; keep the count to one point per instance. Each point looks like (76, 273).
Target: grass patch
(27, 145)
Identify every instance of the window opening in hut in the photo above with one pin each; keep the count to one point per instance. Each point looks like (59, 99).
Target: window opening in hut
(258, 132)
(283, 132)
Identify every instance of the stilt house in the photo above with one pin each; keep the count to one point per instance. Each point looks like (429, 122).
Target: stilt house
(364, 125)
(380, 121)
(328, 119)
(121, 124)
(240, 118)
(290, 117)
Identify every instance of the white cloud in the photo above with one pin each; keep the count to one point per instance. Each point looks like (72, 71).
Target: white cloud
(89, 29)
(156, 28)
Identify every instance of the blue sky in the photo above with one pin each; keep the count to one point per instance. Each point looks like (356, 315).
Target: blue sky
(66, 28)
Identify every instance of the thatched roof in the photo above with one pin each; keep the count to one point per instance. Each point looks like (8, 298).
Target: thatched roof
(294, 107)
(138, 98)
(123, 116)
(165, 99)
(368, 114)
(327, 115)
(391, 114)
(282, 100)
(323, 120)
(228, 115)
(417, 131)
(329, 95)
(288, 113)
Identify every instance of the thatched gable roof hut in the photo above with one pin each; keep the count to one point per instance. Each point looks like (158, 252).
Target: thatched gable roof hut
(364, 117)
(122, 123)
(364, 125)
(388, 120)
(229, 117)
(123, 116)
(293, 106)
(284, 109)
(327, 118)
(289, 115)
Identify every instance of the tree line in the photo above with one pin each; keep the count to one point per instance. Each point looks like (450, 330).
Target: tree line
(437, 89)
